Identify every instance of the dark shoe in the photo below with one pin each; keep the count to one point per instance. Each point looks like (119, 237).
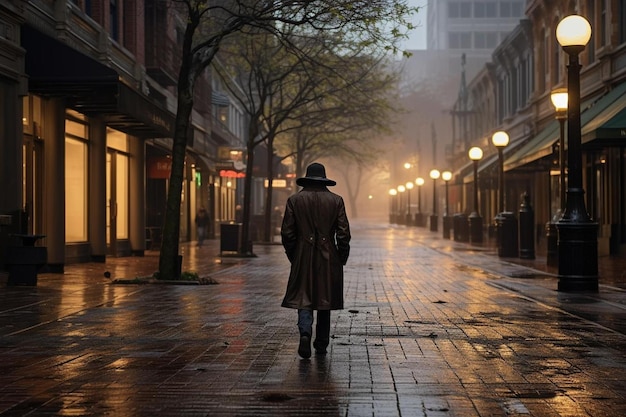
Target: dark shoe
(320, 348)
(304, 350)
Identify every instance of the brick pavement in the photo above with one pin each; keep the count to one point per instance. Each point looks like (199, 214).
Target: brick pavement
(431, 328)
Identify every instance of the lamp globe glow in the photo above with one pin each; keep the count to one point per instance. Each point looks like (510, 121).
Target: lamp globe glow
(419, 181)
(573, 30)
(434, 174)
(446, 175)
(409, 185)
(500, 139)
(559, 99)
(475, 153)
(401, 188)
(393, 191)
(407, 165)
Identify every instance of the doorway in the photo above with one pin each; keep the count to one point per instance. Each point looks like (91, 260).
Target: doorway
(32, 168)
(117, 210)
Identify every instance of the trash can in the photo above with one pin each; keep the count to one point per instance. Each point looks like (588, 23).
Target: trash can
(460, 227)
(230, 237)
(24, 261)
(507, 235)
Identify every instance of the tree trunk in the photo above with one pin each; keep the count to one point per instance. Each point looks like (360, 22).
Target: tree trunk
(245, 247)
(169, 267)
(267, 230)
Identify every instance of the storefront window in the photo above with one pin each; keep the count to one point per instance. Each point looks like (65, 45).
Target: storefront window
(75, 190)
(121, 190)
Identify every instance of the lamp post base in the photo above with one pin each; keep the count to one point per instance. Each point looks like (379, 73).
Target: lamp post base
(434, 220)
(577, 256)
(475, 228)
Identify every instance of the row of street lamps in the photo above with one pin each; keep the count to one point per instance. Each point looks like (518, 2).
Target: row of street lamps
(396, 214)
(500, 139)
(577, 232)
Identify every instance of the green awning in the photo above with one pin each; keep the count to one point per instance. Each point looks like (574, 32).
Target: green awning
(603, 118)
(536, 148)
(609, 127)
(483, 164)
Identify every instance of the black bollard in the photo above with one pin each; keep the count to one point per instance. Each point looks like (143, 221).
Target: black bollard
(447, 225)
(460, 227)
(526, 229)
(552, 247)
(506, 234)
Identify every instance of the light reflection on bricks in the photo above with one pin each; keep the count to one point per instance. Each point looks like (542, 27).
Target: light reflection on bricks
(428, 330)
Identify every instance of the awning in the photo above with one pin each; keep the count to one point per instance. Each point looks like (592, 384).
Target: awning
(603, 118)
(483, 164)
(608, 127)
(461, 172)
(536, 148)
(492, 160)
(55, 69)
(135, 114)
(207, 162)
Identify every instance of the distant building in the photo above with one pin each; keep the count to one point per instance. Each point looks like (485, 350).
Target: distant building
(474, 28)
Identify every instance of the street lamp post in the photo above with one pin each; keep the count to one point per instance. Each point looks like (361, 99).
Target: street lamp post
(401, 190)
(500, 139)
(446, 176)
(419, 217)
(409, 218)
(392, 202)
(559, 101)
(506, 222)
(434, 175)
(578, 234)
(475, 220)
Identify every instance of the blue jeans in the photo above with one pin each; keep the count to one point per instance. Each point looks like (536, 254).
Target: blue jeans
(201, 234)
(322, 328)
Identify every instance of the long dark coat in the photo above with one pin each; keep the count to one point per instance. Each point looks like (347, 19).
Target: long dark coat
(316, 237)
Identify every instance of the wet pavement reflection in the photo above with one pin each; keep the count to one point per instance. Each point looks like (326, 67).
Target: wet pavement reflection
(431, 328)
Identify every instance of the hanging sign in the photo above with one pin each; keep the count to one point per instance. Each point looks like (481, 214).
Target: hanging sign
(159, 167)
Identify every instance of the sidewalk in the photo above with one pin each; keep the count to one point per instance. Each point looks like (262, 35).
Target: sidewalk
(431, 328)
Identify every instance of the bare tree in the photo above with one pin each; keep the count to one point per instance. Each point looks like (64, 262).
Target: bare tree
(347, 124)
(357, 167)
(285, 86)
(208, 23)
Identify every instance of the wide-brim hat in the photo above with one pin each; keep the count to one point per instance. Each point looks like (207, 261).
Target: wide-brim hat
(315, 174)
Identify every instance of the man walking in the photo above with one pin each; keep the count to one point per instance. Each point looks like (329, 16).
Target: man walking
(202, 223)
(316, 237)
